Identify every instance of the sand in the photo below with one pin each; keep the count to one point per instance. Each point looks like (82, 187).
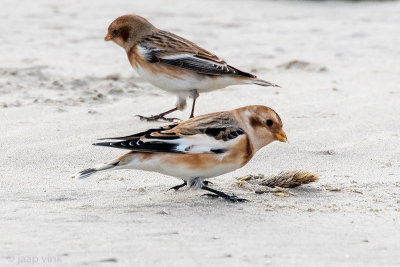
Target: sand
(62, 87)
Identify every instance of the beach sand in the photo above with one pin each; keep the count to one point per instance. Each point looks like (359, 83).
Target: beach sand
(62, 87)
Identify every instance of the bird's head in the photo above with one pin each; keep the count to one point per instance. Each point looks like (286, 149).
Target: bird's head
(128, 30)
(265, 125)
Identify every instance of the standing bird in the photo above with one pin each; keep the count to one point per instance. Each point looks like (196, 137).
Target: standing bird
(199, 148)
(173, 63)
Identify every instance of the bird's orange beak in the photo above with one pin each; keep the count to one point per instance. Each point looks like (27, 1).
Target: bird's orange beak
(281, 136)
(107, 38)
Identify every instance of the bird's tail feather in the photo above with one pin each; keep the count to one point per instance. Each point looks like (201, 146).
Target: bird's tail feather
(102, 167)
(261, 82)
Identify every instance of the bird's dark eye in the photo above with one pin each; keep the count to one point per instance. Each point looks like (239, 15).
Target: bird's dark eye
(270, 122)
(114, 32)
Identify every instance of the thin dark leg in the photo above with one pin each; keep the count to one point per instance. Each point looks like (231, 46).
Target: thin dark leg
(195, 96)
(194, 104)
(217, 193)
(160, 116)
(176, 187)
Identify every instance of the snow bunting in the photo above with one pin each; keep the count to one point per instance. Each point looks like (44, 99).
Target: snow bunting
(201, 147)
(173, 63)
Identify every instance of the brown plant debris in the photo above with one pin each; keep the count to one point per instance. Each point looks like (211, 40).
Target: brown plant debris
(288, 179)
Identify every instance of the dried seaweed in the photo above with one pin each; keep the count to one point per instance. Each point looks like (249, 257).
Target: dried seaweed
(289, 179)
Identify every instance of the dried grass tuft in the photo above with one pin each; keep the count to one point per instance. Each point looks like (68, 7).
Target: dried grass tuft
(289, 179)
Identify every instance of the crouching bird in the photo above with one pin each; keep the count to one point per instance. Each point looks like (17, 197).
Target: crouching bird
(199, 148)
(173, 63)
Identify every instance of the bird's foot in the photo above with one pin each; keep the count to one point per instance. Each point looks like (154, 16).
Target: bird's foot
(157, 118)
(220, 194)
(232, 198)
(177, 187)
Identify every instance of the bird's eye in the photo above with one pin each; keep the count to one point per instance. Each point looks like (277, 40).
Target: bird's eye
(114, 32)
(270, 122)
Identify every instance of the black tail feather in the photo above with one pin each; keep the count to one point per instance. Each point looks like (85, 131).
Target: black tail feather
(86, 173)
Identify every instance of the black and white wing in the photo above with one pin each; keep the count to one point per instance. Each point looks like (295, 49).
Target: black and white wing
(198, 136)
(170, 49)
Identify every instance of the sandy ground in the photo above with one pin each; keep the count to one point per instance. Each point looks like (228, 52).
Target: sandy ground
(62, 87)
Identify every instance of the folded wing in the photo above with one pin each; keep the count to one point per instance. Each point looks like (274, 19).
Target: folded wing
(199, 135)
(167, 48)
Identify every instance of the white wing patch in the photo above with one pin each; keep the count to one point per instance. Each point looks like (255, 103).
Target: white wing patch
(197, 144)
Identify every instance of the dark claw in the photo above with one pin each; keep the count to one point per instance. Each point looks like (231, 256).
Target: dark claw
(177, 187)
(217, 193)
(232, 198)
